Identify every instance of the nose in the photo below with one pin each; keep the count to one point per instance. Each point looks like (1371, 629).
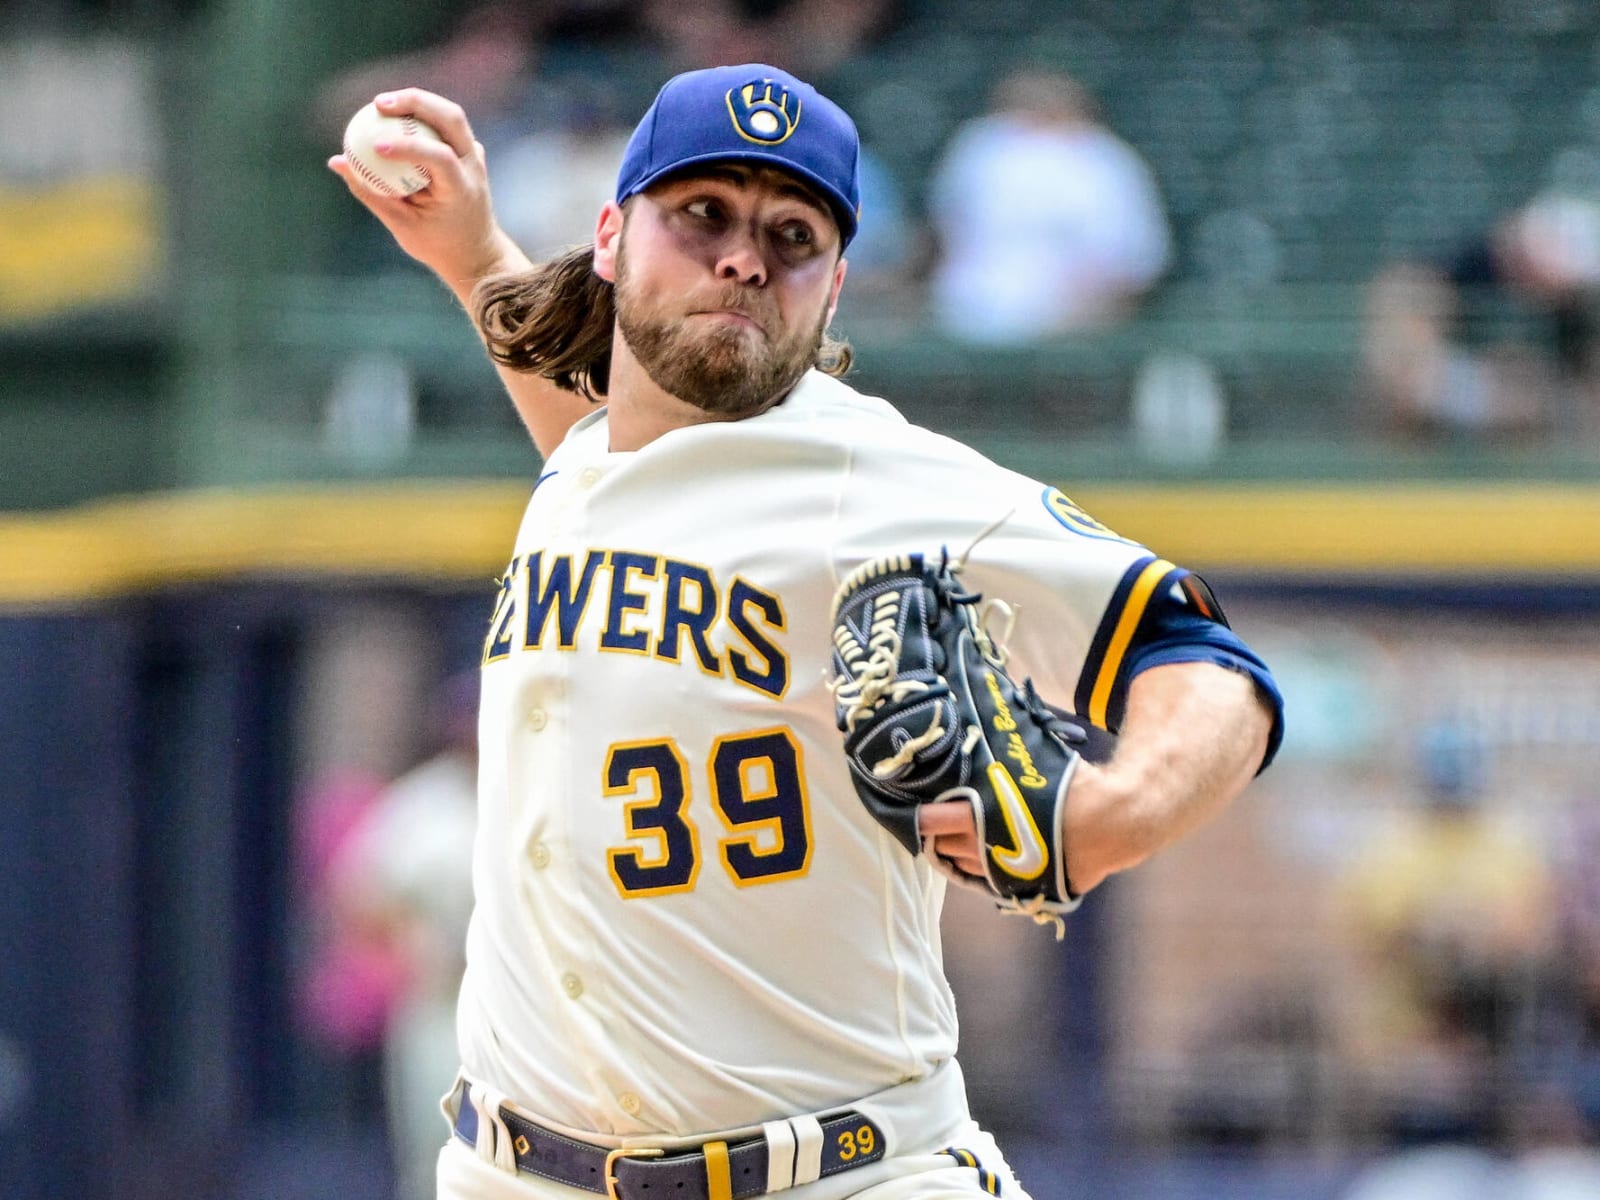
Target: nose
(740, 260)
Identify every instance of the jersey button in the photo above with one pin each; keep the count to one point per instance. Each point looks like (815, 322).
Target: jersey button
(572, 985)
(589, 476)
(630, 1103)
(540, 855)
(537, 719)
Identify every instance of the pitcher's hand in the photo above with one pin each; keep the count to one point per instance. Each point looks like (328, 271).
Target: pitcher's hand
(449, 226)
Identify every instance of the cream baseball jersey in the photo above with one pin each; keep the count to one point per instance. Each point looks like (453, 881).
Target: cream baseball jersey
(686, 921)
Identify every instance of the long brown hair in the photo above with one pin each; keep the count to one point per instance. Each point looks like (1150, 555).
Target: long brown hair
(556, 320)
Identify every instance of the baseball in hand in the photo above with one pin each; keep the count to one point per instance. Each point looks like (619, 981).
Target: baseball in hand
(390, 176)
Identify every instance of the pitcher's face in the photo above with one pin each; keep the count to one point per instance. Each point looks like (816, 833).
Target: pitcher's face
(725, 281)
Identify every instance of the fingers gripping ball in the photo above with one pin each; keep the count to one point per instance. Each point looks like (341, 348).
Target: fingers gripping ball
(390, 176)
(929, 713)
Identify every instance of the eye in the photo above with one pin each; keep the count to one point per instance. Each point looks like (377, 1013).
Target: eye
(704, 209)
(797, 233)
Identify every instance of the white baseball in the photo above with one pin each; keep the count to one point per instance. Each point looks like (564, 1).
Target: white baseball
(391, 176)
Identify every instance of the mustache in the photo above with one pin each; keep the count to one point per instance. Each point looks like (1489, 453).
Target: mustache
(739, 298)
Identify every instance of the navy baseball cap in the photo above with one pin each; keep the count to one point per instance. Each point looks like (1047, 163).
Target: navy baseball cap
(748, 113)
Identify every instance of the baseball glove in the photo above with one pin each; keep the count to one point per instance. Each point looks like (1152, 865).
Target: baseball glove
(929, 713)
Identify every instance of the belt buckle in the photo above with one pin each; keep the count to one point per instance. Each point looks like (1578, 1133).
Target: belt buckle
(625, 1152)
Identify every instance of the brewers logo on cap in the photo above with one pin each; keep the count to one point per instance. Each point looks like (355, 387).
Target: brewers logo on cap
(750, 113)
(759, 116)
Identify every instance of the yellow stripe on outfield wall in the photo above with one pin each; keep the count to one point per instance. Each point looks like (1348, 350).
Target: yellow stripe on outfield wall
(452, 531)
(1387, 531)
(464, 530)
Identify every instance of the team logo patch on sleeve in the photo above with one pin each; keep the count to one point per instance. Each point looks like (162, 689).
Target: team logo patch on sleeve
(1075, 520)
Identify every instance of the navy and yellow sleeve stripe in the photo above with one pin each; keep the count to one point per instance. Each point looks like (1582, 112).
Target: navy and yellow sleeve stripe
(987, 1179)
(1102, 686)
(1163, 614)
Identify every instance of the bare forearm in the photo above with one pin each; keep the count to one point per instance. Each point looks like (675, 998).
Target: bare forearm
(1193, 737)
(500, 255)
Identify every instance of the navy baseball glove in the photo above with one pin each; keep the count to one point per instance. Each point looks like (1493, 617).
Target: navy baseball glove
(929, 713)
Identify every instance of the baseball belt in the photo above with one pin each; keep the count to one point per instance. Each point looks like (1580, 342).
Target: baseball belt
(789, 1153)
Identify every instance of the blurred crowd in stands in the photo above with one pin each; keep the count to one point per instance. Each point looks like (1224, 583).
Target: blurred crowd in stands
(1497, 339)
(1033, 219)
(1045, 175)
(387, 869)
(1400, 938)
(383, 822)
(1477, 998)
(1040, 220)
(1475, 1046)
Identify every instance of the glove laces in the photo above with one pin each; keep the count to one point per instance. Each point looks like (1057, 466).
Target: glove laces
(1033, 908)
(872, 677)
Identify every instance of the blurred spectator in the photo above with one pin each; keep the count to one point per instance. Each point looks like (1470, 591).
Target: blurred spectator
(808, 37)
(550, 176)
(349, 980)
(482, 64)
(1497, 340)
(1434, 1173)
(403, 879)
(488, 63)
(1047, 221)
(1473, 1173)
(1573, 1049)
(488, 59)
(888, 254)
(1571, 1173)
(1452, 908)
(555, 140)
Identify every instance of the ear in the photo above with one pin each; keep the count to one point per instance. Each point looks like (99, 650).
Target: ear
(833, 296)
(607, 241)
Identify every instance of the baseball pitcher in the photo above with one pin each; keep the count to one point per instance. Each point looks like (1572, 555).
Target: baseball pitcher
(767, 666)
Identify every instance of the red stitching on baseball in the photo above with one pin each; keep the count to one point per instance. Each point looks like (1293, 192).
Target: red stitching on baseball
(366, 174)
(411, 125)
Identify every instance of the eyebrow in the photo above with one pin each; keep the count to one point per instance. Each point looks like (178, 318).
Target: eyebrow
(746, 177)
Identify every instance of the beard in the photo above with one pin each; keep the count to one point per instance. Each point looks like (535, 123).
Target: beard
(725, 370)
